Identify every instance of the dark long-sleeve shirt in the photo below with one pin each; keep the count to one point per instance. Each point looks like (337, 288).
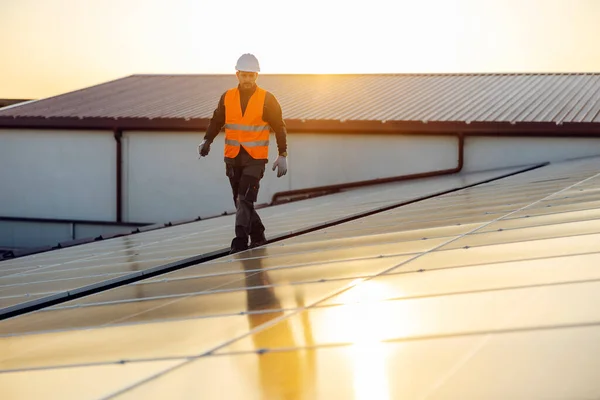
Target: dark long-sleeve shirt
(272, 115)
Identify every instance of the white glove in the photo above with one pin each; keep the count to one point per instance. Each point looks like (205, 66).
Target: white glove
(203, 148)
(281, 165)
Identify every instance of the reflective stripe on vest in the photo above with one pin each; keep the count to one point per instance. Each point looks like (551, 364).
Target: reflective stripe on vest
(248, 129)
(231, 142)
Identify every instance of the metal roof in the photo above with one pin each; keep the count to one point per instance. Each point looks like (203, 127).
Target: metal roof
(410, 98)
(10, 102)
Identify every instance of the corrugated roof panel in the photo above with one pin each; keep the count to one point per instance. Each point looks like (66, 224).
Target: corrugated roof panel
(470, 88)
(585, 113)
(562, 100)
(593, 97)
(578, 99)
(467, 105)
(426, 98)
(367, 93)
(475, 91)
(594, 115)
(529, 90)
(498, 100)
(388, 111)
(503, 99)
(540, 99)
(390, 97)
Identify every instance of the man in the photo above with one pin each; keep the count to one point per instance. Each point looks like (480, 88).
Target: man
(247, 112)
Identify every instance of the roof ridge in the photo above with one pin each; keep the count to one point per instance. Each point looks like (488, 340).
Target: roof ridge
(374, 74)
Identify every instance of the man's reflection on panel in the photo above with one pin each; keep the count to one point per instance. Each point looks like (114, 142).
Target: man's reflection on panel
(285, 374)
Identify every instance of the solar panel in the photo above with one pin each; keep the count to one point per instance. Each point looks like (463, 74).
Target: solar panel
(475, 302)
(68, 272)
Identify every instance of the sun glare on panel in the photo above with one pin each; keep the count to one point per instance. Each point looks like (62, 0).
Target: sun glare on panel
(365, 291)
(370, 372)
(364, 322)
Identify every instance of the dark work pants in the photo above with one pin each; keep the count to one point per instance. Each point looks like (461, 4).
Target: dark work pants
(244, 182)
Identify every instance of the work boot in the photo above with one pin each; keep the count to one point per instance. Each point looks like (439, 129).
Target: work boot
(257, 239)
(238, 244)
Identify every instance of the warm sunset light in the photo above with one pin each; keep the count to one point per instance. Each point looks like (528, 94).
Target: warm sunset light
(54, 46)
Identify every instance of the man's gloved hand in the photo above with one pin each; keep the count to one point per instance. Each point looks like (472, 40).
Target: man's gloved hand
(281, 165)
(203, 148)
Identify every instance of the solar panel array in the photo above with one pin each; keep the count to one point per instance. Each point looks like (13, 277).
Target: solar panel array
(487, 292)
(66, 272)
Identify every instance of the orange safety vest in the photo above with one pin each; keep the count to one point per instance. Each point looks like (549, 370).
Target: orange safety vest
(248, 130)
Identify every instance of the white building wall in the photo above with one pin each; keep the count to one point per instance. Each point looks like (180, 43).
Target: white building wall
(57, 174)
(83, 231)
(18, 234)
(483, 153)
(166, 181)
(33, 234)
(330, 159)
(72, 174)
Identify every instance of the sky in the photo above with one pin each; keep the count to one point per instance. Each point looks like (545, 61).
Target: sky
(49, 47)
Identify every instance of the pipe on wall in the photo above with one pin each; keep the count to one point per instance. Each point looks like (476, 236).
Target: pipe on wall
(315, 191)
(118, 134)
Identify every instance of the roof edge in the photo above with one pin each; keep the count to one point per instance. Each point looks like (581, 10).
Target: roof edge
(67, 93)
(570, 129)
(464, 73)
(15, 105)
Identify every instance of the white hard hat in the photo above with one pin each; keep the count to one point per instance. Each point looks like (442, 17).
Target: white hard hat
(247, 62)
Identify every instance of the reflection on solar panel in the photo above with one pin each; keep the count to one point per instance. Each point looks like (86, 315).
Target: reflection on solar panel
(28, 281)
(488, 292)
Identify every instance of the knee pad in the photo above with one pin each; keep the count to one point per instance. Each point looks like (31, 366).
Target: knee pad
(249, 186)
(250, 196)
(252, 193)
